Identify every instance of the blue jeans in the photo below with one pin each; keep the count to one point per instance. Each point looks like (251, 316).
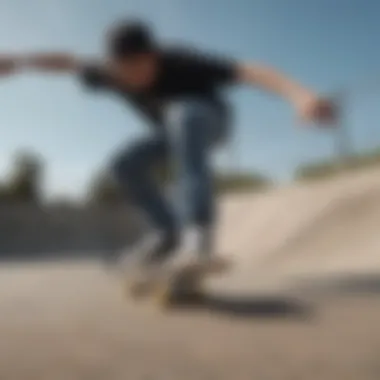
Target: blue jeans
(192, 129)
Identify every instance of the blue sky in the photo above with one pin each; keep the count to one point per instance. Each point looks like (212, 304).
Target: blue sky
(324, 43)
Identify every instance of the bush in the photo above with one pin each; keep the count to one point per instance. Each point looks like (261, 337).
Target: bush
(327, 169)
(238, 181)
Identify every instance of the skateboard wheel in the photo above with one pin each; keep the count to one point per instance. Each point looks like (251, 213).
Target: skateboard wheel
(164, 297)
(136, 289)
(168, 297)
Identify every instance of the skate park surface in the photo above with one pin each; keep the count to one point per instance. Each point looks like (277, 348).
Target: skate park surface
(302, 300)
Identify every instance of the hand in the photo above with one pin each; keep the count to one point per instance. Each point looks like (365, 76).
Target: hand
(311, 108)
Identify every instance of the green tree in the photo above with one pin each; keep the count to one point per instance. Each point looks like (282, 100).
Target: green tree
(104, 190)
(25, 181)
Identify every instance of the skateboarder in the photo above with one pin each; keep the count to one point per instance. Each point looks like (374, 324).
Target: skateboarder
(179, 92)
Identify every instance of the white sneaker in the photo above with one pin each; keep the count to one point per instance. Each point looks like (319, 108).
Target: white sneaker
(192, 249)
(133, 256)
(197, 241)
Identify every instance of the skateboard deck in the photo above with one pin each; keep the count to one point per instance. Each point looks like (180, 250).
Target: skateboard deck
(179, 284)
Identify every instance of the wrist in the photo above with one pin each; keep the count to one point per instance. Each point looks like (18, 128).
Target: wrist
(300, 96)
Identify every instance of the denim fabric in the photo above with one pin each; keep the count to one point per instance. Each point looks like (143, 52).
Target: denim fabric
(192, 127)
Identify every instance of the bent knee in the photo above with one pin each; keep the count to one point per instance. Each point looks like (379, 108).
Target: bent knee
(126, 165)
(139, 157)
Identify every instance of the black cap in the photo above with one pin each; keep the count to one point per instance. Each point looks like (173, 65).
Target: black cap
(130, 37)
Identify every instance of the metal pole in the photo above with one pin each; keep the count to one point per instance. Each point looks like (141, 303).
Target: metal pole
(343, 143)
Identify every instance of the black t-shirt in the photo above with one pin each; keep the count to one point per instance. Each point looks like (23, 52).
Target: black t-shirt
(182, 74)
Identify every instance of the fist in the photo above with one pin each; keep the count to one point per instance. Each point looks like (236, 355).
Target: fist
(317, 110)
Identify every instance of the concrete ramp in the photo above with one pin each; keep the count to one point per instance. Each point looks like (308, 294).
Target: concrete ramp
(331, 224)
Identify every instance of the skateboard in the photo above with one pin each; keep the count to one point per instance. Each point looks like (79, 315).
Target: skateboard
(176, 285)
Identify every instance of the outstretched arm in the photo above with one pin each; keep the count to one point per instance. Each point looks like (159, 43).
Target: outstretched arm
(53, 62)
(95, 75)
(309, 106)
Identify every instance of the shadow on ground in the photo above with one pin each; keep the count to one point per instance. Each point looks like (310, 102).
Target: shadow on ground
(347, 284)
(249, 307)
(104, 256)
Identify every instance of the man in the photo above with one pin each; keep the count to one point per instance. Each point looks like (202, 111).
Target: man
(179, 92)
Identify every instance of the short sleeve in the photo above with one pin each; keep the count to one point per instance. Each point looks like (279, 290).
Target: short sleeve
(219, 70)
(93, 77)
(207, 67)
